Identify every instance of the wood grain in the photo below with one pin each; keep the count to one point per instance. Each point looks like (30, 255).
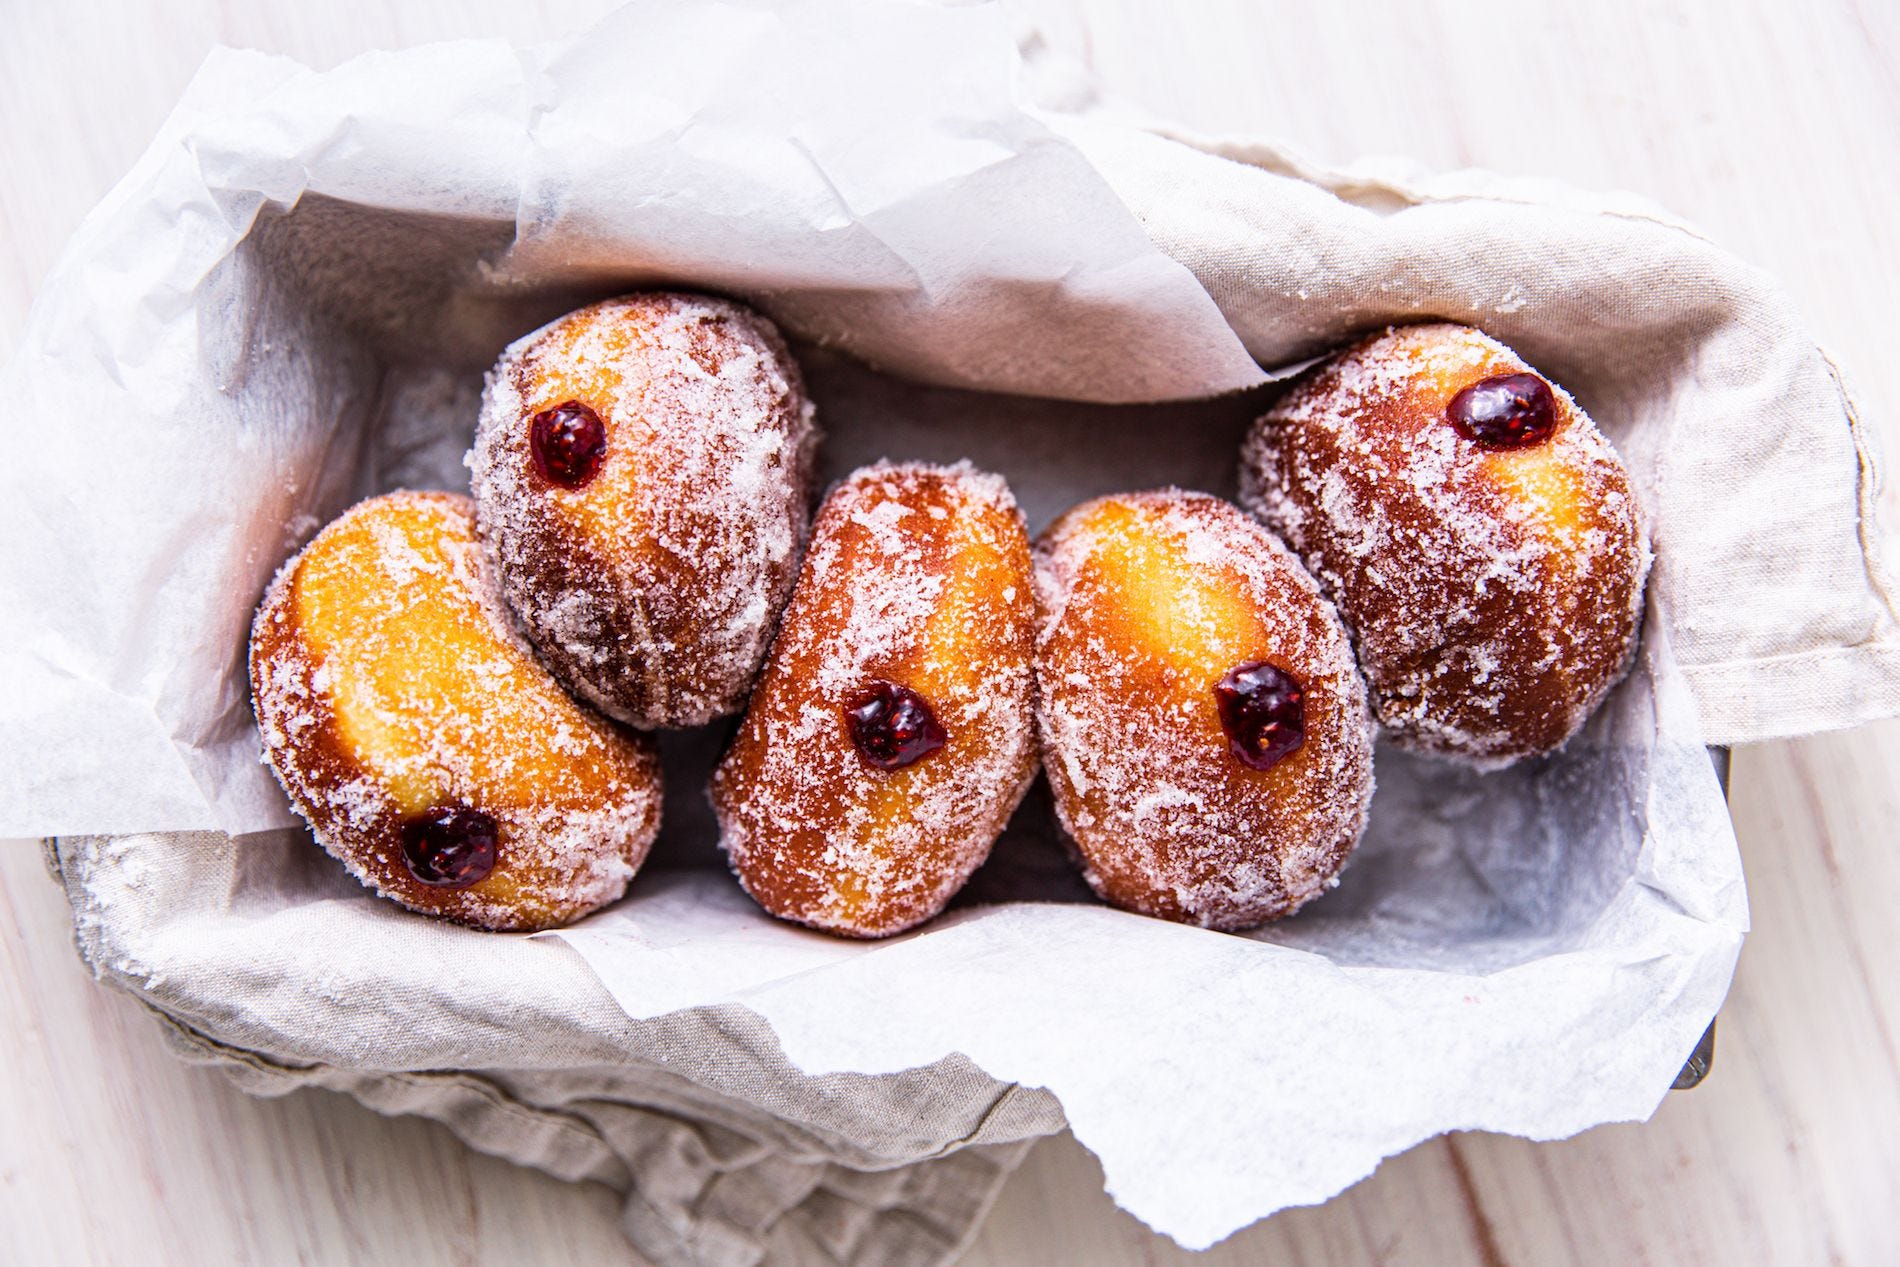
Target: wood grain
(1773, 126)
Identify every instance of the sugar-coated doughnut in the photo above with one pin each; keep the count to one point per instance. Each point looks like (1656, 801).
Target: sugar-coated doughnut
(643, 476)
(1477, 531)
(891, 733)
(1204, 728)
(427, 747)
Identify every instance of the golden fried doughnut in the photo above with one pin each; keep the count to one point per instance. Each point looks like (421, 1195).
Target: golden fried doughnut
(891, 733)
(1203, 725)
(1477, 531)
(642, 476)
(424, 743)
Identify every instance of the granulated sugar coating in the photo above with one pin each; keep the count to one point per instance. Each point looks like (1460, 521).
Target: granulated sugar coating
(917, 576)
(389, 682)
(651, 586)
(1146, 602)
(1493, 595)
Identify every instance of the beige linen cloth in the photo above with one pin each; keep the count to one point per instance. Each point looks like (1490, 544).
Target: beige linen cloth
(1764, 480)
(1762, 510)
(726, 1154)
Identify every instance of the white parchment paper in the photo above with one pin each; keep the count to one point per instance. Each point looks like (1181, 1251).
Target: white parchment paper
(288, 304)
(231, 349)
(1534, 950)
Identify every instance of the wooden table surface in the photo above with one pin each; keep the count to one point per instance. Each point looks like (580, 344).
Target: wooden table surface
(1776, 127)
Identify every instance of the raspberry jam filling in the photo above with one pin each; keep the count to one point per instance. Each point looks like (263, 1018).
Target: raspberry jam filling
(1505, 411)
(568, 442)
(892, 726)
(448, 847)
(1262, 711)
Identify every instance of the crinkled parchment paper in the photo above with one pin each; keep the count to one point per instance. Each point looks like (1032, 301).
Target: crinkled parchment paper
(289, 304)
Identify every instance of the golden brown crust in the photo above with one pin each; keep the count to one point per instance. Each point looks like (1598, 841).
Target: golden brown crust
(387, 680)
(919, 576)
(1147, 600)
(651, 591)
(1493, 596)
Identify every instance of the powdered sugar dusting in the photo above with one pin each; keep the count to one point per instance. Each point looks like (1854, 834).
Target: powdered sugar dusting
(651, 591)
(1146, 601)
(917, 575)
(387, 678)
(1493, 597)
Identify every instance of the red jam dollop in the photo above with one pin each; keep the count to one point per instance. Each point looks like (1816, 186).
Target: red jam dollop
(892, 726)
(568, 442)
(1262, 710)
(1505, 411)
(449, 847)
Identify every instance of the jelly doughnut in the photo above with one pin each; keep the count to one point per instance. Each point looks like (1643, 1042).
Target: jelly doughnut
(1204, 728)
(1477, 531)
(642, 477)
(891, 733)
(424, 743)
